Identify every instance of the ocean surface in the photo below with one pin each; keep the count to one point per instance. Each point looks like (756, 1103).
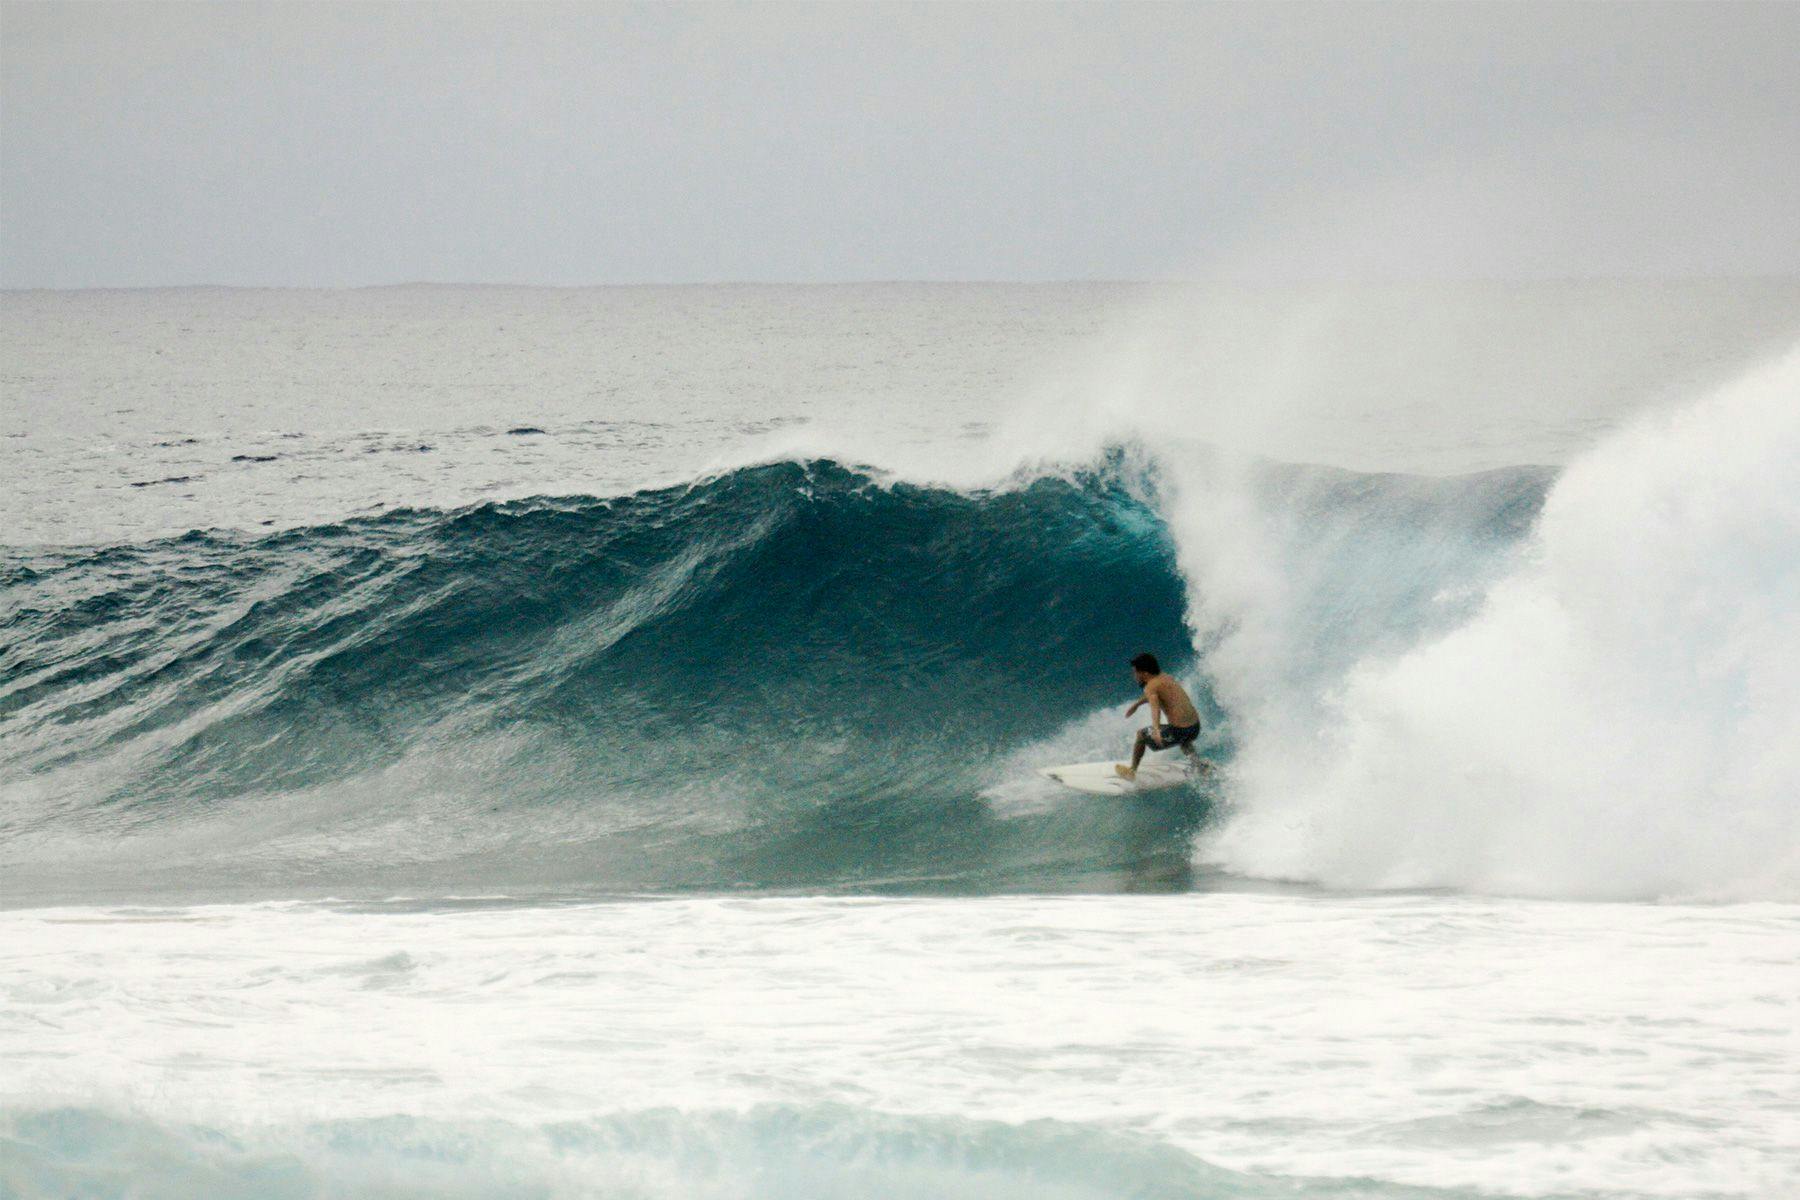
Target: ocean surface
(478, 741)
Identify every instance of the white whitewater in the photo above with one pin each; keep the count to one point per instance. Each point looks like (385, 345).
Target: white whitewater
(1620, 717)
(1196, 1047)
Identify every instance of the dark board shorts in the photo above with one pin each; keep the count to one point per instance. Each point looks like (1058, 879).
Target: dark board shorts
(1176, 735)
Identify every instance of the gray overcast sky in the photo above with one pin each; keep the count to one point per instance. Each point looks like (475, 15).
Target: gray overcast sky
(145, 144)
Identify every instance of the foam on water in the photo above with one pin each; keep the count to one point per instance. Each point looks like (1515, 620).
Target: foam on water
(781, 1152)
(1189, 1046)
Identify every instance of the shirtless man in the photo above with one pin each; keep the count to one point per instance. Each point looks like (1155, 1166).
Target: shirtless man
(1168, 701)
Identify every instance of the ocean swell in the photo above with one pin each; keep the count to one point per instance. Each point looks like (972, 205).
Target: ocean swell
(792, 673)
(788, 675)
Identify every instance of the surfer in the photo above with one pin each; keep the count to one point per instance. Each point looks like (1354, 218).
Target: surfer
(1174, 721)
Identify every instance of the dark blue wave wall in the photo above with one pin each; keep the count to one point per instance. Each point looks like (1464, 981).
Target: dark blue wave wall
(830, 663)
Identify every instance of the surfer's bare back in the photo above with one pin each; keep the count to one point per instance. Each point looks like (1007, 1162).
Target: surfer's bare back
(1174, 721)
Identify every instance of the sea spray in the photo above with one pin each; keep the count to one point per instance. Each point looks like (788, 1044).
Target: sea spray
(1616, 718)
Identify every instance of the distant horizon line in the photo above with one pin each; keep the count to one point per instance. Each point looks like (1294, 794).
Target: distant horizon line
(1224, 282)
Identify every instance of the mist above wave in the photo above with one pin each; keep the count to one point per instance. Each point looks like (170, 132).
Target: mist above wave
(1616, 717)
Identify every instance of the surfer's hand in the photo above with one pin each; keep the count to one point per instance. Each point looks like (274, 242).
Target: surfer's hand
(1155, 738)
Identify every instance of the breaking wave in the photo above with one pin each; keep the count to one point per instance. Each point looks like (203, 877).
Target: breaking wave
(791, 675)
(1616, 717)
(808, 675)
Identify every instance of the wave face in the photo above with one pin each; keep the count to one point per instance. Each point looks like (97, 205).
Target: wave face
(787, 675)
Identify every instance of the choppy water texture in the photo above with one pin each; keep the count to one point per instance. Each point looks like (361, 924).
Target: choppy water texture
(614, 603)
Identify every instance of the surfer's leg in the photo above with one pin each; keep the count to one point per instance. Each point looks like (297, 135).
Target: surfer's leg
(1203, 766)
(1200, 766)
(1137, 756)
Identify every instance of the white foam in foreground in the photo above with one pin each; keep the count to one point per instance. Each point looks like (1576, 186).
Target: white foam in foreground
(1182, 1046)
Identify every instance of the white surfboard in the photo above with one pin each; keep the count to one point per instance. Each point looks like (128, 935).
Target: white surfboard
(1101, 779)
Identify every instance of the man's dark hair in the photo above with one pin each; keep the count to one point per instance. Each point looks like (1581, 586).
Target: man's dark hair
(1147, 664)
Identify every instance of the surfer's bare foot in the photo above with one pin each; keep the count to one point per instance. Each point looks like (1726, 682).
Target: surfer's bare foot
(1124, 771)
